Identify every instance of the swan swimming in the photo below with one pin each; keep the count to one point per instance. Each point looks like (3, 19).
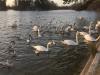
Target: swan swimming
(40, 48)
(87, 36)
(71, 42)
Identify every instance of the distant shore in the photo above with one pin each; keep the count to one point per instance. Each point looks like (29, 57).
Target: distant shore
(95, 6)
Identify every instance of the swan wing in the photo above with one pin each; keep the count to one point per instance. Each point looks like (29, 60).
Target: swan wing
(83, 33)
(69, 42)
(89, 38)
(40, 48)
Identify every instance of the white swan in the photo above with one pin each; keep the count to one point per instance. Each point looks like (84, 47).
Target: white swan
(36, 29)
(71, 42)
(87, 36)
(39, 48)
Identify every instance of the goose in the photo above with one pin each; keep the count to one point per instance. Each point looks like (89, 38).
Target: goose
(71, 42)
(40, 48)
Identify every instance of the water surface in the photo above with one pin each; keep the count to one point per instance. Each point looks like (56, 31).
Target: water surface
(59, 61)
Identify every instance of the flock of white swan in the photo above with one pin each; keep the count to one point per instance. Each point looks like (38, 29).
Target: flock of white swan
(40, 48)
(87, 36)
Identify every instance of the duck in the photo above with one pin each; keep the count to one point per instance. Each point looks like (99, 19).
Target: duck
(40, 48)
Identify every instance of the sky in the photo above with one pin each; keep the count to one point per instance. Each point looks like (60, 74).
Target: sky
(58, 2)
(10, 3)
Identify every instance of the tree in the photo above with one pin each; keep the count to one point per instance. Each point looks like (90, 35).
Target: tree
(79, 5)
(22, 4)
(84, 1)
(2, 4)
(68, 1)
(44, 4)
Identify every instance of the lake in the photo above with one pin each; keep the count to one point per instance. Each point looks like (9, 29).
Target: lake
(59, 61)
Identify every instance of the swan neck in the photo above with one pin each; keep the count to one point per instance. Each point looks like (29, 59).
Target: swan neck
(90, 29)
(39, 35)
(98, 38)
(47, 47)
(77, 41)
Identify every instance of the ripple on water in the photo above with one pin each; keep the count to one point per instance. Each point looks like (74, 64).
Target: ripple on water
(59, 61)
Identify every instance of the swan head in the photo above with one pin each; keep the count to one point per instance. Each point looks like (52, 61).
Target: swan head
(35, 28)
(52, 42)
